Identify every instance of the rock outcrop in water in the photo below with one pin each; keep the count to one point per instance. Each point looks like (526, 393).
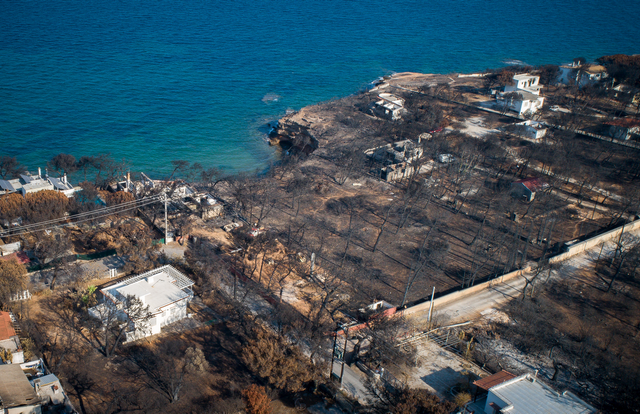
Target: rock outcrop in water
(293, 133)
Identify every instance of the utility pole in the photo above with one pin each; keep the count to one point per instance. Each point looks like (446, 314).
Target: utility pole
(346, 338)
(431, 305)
(166, 221)
(333, 354)
(313, 264)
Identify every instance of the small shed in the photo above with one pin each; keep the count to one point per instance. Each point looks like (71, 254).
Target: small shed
(526, 189)
(530, 129)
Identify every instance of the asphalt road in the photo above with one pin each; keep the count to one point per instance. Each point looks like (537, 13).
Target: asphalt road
(352, 382)
(471, 307)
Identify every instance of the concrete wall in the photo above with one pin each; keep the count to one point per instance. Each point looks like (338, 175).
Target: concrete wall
(573, 250)
(465, 292)
(578, 248)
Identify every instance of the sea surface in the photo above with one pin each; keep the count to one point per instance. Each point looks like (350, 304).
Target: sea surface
(152, 81)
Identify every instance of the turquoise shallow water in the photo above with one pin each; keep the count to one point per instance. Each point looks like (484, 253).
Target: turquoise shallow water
(154, 81)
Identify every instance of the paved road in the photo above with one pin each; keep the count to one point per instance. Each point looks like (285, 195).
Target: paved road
(472, 306)
(352, 381)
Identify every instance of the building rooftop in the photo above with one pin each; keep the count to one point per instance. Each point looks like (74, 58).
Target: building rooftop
(157, 294)
(624, 122)
(32, 183)
(8, 185)
(390, 101)
(156, 288)
(6, 326)
(60, 184)
(526, 395)
(596, 69)
(524, 76)
(37, 185)
(15, 389)
(492, 380)
(534, 183)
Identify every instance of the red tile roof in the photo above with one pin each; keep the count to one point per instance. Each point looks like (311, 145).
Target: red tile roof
(624, 122)
(21, 257)
(533, 184)
(493, 380)
(6, 327)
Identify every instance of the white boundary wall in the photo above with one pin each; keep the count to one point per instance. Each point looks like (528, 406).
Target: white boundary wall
(580, 247)
(572, 250)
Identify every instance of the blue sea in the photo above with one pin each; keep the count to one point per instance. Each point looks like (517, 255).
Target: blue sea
(152, 81)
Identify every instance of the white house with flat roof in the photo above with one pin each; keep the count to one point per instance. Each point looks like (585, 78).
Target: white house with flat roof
(523, 95)
(32, 183)
(526, 395)
(525, 82)
(164, 290)
(389, 106)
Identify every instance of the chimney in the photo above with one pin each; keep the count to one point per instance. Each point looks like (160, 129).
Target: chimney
(128, 181)
(64, 178)
(39, 172)
(46, 173)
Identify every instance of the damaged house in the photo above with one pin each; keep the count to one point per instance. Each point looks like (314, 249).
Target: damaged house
(389, 106)
(397, 159)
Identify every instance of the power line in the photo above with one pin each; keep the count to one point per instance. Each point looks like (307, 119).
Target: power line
(87, 213)
(82, 217)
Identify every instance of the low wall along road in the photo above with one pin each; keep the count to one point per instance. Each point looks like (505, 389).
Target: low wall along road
(572, 249)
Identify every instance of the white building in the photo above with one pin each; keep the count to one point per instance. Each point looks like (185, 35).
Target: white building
(523, 95)
(593, 73)
(164, 290)
(28, 183)
(389, 106)
(530, 129)
(30, 388)
(526, 395)
(525, 82)
(17, 395)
